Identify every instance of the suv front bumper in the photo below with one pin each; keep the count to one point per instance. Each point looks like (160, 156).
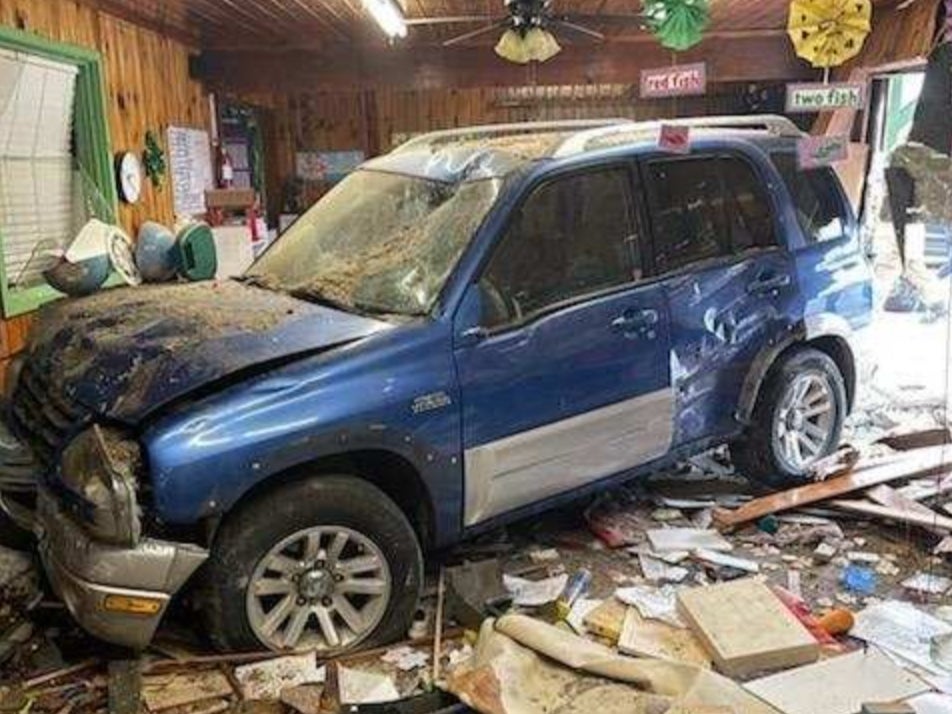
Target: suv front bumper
(97, 581)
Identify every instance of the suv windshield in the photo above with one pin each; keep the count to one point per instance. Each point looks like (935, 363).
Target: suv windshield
(378, 242)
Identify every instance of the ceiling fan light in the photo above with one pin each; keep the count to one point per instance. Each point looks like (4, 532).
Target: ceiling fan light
(388, 15)
(541, 45)
(513, 47)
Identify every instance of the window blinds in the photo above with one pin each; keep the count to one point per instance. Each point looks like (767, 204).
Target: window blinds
(40, 198)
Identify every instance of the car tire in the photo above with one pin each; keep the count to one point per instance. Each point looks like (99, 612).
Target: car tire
(321, 509)
(763, 453)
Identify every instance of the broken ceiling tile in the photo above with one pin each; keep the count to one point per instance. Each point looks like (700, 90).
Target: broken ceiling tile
(266, 680)
(666, 539)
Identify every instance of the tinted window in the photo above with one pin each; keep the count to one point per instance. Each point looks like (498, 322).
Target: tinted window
(820, 210)
(687, 212)
(572, 237)
(748, 208)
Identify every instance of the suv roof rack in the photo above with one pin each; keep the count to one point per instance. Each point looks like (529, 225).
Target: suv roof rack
(772, 123)
(491, 131)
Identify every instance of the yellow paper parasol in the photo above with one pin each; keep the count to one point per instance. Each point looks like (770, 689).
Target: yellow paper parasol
(828, 32)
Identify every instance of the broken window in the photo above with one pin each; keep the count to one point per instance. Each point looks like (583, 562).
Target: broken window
(572, 237)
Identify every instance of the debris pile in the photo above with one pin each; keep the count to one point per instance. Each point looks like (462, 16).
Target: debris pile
(680, 593)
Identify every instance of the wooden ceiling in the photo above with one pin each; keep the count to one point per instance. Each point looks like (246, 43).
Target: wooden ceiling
(318, 24)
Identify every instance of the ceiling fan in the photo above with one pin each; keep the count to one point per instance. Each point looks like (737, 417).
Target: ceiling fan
(527, 26)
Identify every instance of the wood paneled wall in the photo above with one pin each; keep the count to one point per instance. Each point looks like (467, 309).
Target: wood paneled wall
(147, 86)
(372, 120)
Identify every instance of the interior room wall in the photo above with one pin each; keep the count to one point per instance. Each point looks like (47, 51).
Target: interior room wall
(147, 88)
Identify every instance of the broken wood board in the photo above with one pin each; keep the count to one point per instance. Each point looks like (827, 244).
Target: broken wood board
(911, 464)
(689, 539)
(840, 685)
(164, 691)
(652, 638)
(931, 522)
(887, 496)
(746, 628)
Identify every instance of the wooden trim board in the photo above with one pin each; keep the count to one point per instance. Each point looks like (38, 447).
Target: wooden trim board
(745, 628)
(933, 521)
(914, 464)
(891, 498)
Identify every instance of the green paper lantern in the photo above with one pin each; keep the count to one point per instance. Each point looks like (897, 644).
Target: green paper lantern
(678, 24)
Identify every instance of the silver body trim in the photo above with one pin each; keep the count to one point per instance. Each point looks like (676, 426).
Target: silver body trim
(533, 465)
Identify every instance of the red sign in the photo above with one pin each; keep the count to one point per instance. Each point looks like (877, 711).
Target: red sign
(683, 80)
(676, 139)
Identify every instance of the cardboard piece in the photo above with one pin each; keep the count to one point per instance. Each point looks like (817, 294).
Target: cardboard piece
(651, 638)
(840, 685)
(690, 539)
(746, 628)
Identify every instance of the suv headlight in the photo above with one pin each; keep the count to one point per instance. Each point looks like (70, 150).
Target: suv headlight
(100, 466)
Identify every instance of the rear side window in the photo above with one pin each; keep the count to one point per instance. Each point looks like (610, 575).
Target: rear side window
(706, 207)
(820, 210)
(687, 212)
(572, 237)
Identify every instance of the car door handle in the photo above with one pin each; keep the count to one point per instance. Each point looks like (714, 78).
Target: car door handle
(633, 320)
(766, 284)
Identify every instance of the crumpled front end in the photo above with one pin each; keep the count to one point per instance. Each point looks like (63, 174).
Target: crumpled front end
(116, 582)
(117, 593)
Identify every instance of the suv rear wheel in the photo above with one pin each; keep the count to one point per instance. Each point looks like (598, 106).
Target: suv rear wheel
(324, 564)
(797, 420)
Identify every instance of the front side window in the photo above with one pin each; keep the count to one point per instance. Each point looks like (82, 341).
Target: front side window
(687, 212)
(572, 237)
(378, 242)
(821, 211)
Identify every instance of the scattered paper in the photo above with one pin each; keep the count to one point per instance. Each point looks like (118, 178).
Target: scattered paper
(546, 555)
(730, 561)
(265, 680)
(931, 703)
(902, 630)
(533, 593)
(653, 603)
(658, 571)
(663, 539)
(580, 610)
(928, 583)
(839, 685)
(406, 658)
(359, 687)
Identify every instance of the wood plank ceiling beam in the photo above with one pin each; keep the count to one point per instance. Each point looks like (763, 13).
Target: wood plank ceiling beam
(729, 59)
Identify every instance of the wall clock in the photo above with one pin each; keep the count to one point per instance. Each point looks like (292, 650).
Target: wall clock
(129, 177)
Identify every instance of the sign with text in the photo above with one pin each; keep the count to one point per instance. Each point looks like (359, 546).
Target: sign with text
(816, 151)
(825, 97)
(676, 139)
(682, 80)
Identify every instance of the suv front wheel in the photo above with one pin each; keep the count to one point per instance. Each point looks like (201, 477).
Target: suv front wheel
(325, 564)
(797, 420)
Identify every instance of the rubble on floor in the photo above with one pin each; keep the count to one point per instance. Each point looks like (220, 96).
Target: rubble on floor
(682, 593)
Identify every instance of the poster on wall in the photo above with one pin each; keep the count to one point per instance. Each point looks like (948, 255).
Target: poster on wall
(190, 169)
(330, 166)
(818, 97)
(681, 80)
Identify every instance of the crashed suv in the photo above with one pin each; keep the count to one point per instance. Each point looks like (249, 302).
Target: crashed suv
(468, 330)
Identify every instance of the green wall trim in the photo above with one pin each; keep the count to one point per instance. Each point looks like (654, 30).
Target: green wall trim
(93, 145)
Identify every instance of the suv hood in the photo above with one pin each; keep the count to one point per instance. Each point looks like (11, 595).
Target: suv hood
(124, 353)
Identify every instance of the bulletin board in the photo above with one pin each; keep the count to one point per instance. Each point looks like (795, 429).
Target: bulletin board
(190, 169)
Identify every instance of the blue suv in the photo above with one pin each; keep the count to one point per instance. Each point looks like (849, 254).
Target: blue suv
(477, 326)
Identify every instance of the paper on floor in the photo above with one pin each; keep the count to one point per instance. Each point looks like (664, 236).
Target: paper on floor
(533, 593)
(901, 629)
(265, 680)
(653, 603)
